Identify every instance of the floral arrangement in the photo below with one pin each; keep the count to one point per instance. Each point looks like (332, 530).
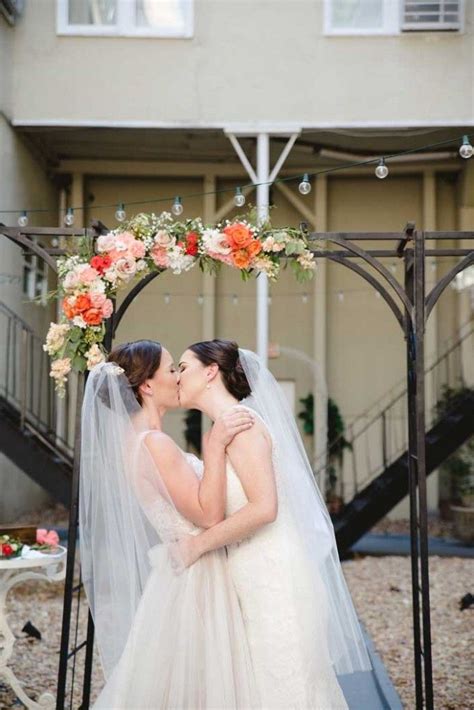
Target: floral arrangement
(11, 546)
(90, 279)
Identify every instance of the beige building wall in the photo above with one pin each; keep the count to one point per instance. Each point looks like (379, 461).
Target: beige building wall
(241, 52)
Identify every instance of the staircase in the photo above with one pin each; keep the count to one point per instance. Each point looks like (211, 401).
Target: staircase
(34, 427)
(377, 462)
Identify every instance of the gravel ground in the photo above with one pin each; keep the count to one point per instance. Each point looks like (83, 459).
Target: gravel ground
(380, 587)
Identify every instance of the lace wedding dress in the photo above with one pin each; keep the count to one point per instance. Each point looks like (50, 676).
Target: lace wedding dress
(187, 651)
(285, 621)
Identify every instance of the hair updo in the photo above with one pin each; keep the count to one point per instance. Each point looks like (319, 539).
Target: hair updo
(139, 360)
(224, 353)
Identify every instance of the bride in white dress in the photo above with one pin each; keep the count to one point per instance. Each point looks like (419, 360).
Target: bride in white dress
(299, 619)
(169, 638)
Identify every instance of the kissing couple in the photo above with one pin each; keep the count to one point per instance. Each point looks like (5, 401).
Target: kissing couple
(213, 583)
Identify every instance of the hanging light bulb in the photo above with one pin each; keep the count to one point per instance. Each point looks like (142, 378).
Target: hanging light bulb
(69, 218)
(23, 219)
(304, 298)
(466, 150)
(200, 299)
(340, 296)
(305, 186)
(177, 208)
(120, 214)
(167, 298)
(54, 242)
(235, 300)
(381, 170)
(393, 268)
(377, 294)
(239, 197)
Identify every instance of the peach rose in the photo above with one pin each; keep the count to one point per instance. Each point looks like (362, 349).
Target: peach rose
(238, 235)
(83, 303)
(97, 299)
(93, 316)
(68, 308)
(107, 308)
(241, 259)
(254, 248)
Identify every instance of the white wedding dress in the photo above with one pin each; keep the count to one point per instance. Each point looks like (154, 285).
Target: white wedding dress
(187, 648)
(285, 622)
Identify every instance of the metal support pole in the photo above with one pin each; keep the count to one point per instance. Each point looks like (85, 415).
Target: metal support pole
(263, 191)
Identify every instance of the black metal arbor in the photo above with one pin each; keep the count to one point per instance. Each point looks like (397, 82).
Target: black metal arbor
(411, 306)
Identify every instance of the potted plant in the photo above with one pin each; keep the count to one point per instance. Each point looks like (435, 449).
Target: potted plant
(335, 447)
(457, 474)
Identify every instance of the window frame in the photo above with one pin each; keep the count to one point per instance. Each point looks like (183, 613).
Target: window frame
(392, 26)
(35, 278)
(124, 27)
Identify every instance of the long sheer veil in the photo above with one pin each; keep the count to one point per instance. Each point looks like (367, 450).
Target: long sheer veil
(302, 503)
(118, 481)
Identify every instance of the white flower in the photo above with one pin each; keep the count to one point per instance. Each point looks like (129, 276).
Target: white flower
(306, 260)
(59, 372)
(111, 275)
(141, 265)
(79, 321)
(94, 356)
(55, 337)
(163, 239)
(106, 242)
(215, 241)
(97, 286)
(179, 261)
(125, 268)
(267, 266)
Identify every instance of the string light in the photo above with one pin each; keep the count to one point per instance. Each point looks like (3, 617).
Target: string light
(23, 219)
(304, 298)
(393, 268)
(466, 150)
(69, 218)
(120, 214)
(235, 300)
(340, 296)
(377, 294)
(200, 299)
(305, 186)
(239, 197)
(177, 207)
(381, 170)
(167, 298)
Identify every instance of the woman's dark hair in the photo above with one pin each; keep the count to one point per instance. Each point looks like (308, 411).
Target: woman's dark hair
(139, 360)
(224, 353)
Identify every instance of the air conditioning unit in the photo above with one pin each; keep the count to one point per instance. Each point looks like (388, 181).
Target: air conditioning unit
(440, 15)
(12, 9)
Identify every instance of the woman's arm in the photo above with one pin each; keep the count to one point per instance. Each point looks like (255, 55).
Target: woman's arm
(200, 501)
(250, 454)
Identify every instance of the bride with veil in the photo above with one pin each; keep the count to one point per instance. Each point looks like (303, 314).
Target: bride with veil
(246, 612)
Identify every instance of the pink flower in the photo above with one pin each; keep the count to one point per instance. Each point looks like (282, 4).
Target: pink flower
(87, 274)
(70, 280)
(43, 537)
(125, 268)
(97, 299)
(137, 249)
(105, 242)
(160, 256)
(107, 308)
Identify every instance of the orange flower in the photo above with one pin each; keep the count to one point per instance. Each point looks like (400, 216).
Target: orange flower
(68, 309)
(241, 259)
(83, 303)
(238, 235)
(93, 316)
(254, 248)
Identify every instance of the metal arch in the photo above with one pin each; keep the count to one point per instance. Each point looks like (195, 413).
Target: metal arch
(15, 235)
(119, 314)
(437, 290)
(377, 265)
(378, 287)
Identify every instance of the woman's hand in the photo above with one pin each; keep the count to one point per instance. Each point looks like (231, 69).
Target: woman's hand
(185, 552)
(231, 423)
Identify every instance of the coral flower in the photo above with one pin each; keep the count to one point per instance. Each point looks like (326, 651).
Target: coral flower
(241, 259)
(93, 316)
(68, 308)
(238, 235)
(83, 303)
(254, 248)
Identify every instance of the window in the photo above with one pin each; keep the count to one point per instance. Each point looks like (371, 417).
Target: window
(382, 17)
(35, 278)
(126, 18)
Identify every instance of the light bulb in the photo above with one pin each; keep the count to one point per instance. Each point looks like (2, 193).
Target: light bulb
(239, 197)
(177, 208)
(393, 268)
(200, 299)
(305, 186)
(23, 220)
(54, 242)
(304, 298)
(466, 150)
(381, 170)
(167, 298)
(69, 218)
(340, 296)
(120, 214)
(377, 294)
(235, 300)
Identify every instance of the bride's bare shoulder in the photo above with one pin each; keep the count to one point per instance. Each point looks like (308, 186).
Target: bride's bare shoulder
(257, 438)
(161, 445)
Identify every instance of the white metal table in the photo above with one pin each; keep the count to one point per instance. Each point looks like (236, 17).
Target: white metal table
(49, 567)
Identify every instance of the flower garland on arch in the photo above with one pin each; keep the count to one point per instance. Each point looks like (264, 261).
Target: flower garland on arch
(91, 278)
